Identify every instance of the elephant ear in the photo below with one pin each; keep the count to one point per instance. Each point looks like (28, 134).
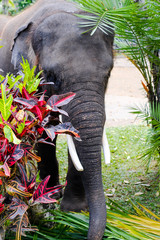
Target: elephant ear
(22, 46)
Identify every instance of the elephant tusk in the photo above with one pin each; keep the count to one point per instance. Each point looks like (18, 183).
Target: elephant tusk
(60, 118)
(106, 150)
(73, 154)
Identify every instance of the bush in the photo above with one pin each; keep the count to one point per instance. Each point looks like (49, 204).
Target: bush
(24, 116)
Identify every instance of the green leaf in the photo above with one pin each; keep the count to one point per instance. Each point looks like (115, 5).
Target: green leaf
(11, 3)
(13, 81)
(9, 134)
(120, 226)
(20, 127)
(5, 104)
(30, 81)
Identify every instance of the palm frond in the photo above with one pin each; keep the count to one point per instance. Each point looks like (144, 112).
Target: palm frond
(142, 112)
(150, 113)
(136, 31)
(121, 225)
(105, 14)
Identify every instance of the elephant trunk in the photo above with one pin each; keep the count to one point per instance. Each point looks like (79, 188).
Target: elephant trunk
(89, 152)
(87, 115)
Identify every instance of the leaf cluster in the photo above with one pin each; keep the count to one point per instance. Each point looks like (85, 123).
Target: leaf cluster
(140, 225)
(14, 6)
(106, 15)
(26, 118)
(137, 36)
(150, 113)
(136, 33)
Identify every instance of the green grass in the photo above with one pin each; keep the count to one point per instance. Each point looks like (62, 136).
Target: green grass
(126, 176)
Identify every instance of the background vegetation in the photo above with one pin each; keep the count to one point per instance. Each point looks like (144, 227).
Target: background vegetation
(126, 177)
(136, 36)
(13, 6)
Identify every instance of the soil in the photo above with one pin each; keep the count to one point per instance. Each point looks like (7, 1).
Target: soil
(124, 92)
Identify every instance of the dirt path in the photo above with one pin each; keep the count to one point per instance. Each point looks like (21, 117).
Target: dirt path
(124, 91)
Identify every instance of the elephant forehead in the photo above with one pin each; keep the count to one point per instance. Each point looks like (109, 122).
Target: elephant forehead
(58, 21)
(84, 49)
(73, 63)
(65, 26)
(60, 40)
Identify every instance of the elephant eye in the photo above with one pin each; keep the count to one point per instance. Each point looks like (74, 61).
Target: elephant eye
(52, 77)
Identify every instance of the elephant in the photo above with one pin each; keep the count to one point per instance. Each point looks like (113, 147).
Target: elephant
(3, 21)
(49, 36)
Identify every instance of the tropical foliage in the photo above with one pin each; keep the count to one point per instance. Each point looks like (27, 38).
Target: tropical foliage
(121, 225)
(20, 5)
(136, 36)
(13, 6)
(24, 116)
(150, 113)
(136, 33)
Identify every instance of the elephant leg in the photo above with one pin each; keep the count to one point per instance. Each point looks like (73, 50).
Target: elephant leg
(49, 163)
(74, 194)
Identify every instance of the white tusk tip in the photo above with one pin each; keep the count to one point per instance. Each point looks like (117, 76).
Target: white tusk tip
(73, 154)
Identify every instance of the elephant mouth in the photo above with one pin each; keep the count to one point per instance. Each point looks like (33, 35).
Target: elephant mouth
(74, 156)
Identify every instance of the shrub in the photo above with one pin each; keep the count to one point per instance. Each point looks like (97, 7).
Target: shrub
(24, 116)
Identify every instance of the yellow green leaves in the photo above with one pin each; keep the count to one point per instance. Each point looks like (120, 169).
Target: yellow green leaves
(30, 81)
(120, 225)
(13, 81)
(5, 103)
(5, 113)
(9, 134)
(138, 226)
(22, 117)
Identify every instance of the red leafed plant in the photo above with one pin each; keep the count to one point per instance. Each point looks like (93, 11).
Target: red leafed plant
(24, 116)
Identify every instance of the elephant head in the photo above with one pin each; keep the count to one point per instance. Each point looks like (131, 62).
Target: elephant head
(75, 62)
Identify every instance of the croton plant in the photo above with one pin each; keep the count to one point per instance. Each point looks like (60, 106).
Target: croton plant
(24, 116)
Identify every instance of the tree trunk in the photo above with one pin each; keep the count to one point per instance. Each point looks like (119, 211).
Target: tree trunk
(155, 68)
